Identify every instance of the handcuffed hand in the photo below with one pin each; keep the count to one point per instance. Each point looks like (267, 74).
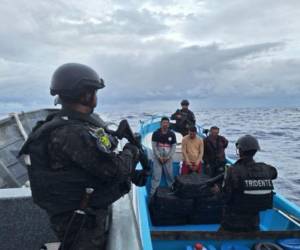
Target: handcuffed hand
(161, 160)
(166, 159)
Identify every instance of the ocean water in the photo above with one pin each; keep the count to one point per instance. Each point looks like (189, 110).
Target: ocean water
(277, 129)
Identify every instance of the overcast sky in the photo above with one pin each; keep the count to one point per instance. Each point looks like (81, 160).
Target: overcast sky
(154, 53)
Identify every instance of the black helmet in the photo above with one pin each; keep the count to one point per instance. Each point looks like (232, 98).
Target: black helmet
(247, 143)
(71, 78)
(185, 102)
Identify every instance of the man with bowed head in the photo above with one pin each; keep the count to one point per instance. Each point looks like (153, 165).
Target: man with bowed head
(214, 152)
(192, 152)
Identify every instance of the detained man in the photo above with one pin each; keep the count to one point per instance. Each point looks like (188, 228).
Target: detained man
(164, 147)
(192, 152)
(214, 152)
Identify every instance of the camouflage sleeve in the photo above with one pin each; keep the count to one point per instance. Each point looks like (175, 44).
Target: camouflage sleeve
(193, 118)
(229, 185)
(174, 115)
(75, 145)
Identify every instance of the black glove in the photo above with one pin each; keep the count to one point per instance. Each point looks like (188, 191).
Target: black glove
(134, 151)
(144, 161)
(139, 178)
(125, 186)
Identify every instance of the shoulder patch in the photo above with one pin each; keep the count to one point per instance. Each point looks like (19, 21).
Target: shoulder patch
(102, 140)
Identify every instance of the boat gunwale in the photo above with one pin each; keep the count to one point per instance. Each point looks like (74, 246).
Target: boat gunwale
(209, 235)
(9, 117)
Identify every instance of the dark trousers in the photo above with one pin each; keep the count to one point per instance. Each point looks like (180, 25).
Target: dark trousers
(234, 221)
(215, 168)
(93, 234)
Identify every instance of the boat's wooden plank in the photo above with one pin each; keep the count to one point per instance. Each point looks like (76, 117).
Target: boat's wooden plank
(196, 235)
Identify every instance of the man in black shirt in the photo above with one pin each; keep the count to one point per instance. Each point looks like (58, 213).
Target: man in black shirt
(214, 152)
(184, 117)
(163, 146)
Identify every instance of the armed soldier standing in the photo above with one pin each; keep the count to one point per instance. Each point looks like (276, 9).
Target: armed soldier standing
(184, 117)
(71, 151)
(247, 189)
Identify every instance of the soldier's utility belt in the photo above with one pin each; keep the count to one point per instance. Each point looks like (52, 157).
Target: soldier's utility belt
(248, 203)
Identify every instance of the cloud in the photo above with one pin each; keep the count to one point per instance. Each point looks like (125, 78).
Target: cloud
(243, 22)
(190, 71)
(153, 50)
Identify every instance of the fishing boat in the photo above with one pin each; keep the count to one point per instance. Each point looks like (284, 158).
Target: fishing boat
(277, 224)
(25, 226)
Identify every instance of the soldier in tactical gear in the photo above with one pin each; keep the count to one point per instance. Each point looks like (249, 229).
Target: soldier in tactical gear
(247, 189)
(184, 117)
(72, 151)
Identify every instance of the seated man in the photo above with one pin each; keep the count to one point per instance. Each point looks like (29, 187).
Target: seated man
(247, 189)
(214, 152)
(164, 147)
(192, 152)
(184, 117)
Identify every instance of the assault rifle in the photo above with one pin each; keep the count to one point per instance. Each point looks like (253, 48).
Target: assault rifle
(139, 177)
(214, 180)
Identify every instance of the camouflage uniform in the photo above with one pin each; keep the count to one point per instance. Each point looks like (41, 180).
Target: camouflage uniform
(185, 122)
(76, 159)
(94, 233)
(68, 153)
(241, 213)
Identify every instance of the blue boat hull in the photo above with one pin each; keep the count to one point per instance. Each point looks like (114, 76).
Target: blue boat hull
(278, 223)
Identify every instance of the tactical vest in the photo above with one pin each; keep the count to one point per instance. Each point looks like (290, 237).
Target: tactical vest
(256, 192)
(59, 191)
